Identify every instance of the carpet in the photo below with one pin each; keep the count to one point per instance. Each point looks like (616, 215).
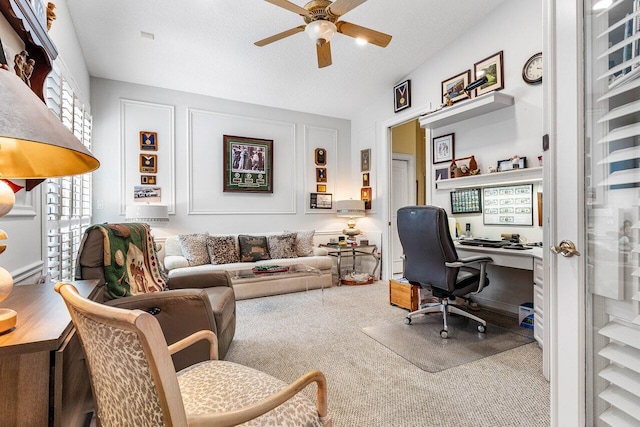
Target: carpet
(420, 342)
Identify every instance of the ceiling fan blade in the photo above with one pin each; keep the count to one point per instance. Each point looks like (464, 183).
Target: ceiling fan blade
(371, 36)
(340, 7)
(324, 54)
(279, 36)
(289, 6)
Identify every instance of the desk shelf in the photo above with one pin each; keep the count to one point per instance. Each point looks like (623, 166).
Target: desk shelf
(517, 176)
(466, 110)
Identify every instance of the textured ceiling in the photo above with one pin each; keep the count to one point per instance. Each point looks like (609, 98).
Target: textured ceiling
(206, 47)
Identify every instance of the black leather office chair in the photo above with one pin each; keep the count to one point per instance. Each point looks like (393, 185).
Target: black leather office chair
(431, 262)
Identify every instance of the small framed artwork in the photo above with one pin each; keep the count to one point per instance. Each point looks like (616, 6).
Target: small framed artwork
(442, 148)
(365, 196)
(247, 164)
(148, 141)
(365, 179)
(321, 188)
(402, 96)
(465, 201)
(510, 164)
(490, 67)
(442, 174)
(147, 194)
(365, 160)
(148, 179)
(148, 163)
(453, 87)
(320, 156)
(321, 201)
(321, 174)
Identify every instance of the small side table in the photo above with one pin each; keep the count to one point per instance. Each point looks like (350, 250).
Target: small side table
(353, 252)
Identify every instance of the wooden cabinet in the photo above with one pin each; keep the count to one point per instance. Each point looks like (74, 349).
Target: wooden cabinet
(404, 295)
(42, 371)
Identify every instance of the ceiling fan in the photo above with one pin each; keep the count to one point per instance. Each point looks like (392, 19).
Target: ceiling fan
(321, 17)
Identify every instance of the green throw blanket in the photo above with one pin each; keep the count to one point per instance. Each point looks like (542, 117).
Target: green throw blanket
(130, 261)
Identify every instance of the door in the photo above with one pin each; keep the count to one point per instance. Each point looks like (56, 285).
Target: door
(403, 193)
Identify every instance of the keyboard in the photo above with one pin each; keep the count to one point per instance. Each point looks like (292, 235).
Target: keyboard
(485, 242)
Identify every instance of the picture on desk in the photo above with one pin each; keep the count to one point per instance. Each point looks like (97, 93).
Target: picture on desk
(509, 205)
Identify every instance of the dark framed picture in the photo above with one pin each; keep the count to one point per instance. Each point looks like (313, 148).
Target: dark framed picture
(402, 96)
(442, 174)
(491, 67)
(148, 163)
(465, 201)
(365, 160)
(248, 164)
(148, 141)
(320, 156)
(321, 174)
(443, 148)
(453, 87)
(321, 188)
(321, 201)
(365, 179)
(508, 205)
(147, 179)
(365, 196)
(510, 164)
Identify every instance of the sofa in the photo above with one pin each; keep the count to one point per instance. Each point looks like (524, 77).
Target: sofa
(201, 253)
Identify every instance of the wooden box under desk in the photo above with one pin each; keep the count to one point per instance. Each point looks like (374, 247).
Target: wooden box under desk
(404, 295)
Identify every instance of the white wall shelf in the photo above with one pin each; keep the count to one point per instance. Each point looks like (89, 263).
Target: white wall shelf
(492, 179)
(484, 104)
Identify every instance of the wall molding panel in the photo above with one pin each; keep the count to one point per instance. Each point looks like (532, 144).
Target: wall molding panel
(320, 137)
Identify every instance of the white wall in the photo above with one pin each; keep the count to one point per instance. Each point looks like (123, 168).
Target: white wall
(190, 172)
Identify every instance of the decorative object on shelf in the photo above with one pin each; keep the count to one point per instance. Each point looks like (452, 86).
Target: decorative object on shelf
(147, 213)
(465, 201)
(402, 96)
(365, 196)
(509, 205)
(463, 166)
(454, 87)
(532, 69)
(18, 63)
(365, 160)
(27, 70)
(491, 68)
(320, 156)
(321, 188)
(148, 141)
(350, 209)
(365, 179)
(248, 164)
(148, 163)
(515, 162)
(147, 194)
(30, 137)
(148, 179)
(51, 15)
(321, 174)
(321, 201)
(491, 169)
(443, 148)
(442, 174)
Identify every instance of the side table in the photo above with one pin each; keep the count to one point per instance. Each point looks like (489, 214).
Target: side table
(44, 378)
(353, 252)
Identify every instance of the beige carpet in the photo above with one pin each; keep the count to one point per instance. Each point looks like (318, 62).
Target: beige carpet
(369, 385)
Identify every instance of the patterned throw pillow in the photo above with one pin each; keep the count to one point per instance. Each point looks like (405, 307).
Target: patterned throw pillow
(194, 248)
(222, 249)
(253, 248)
(304, 243)
(282, 245)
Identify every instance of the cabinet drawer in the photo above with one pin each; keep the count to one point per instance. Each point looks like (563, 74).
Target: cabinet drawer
(538, 271)
(538, 300)
(538, 329)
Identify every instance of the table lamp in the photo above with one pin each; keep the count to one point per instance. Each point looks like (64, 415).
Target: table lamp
(34, 144)
(350, 209)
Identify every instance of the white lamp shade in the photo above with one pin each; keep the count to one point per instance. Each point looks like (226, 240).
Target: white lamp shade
(147, 213)
(350, 208)
(320, 30)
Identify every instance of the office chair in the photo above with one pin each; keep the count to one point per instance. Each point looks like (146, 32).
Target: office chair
(431, 262)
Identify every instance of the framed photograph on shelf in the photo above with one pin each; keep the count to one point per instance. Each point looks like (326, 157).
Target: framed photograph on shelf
(365, 160)
(247, 164)
(148, 141)
(490, 67)
(465, 201)
(365, 196)
(321, 174)
(321, 201)
(402, 96)
(442, 174)
(148, 163)
(508, 205)
(454, 87)
(365, 179)
(510, 164)
(442, 148)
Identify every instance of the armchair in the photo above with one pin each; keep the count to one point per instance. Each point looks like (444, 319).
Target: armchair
(431, 261)
(134, 382)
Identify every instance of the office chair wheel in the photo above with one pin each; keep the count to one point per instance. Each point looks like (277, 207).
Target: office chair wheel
(407, 320)
(482, 329)
(444, 334)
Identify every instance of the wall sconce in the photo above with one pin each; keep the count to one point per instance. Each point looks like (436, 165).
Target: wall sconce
(350, 209)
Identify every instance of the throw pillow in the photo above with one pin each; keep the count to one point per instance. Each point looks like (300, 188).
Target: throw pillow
(253, 248)
(282, 245)
(304, 243)
(194, 248)
(222, 249)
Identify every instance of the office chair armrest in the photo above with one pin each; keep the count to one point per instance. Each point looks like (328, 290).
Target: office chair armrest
(482, 260)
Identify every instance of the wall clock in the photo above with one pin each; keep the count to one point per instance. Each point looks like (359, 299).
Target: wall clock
(532, 70)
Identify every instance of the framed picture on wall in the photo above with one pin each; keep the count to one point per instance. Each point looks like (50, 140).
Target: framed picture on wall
(148, 141)
(148, 163)
(248, 164)
(365, 160)
(454, 86)
(365, 196)
(402, 96)
(321, 174)
(321, 201)
(145, 194)
(365, 179)
(442, 148)
(321, 188)
(508, 205)
(147, 179)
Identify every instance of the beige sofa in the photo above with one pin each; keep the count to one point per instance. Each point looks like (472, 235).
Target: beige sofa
(299, 278)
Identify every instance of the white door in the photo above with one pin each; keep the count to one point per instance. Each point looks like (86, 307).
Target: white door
(403, 193)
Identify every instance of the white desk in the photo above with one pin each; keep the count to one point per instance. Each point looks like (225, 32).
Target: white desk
(514, 258)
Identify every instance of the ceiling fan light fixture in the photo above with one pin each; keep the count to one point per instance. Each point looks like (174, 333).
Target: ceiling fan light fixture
(321, 31)
(361, 41)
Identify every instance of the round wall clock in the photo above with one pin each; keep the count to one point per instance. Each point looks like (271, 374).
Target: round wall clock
(532, 70)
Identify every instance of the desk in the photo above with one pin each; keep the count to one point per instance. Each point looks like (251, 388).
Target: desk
(353, 252)
(514, 258)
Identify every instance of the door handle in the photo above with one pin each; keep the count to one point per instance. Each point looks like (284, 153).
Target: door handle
(566, 248)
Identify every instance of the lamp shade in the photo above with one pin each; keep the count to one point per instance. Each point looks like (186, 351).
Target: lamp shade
(321, 30)
(350, 208)
(34, 144)
(147, 213)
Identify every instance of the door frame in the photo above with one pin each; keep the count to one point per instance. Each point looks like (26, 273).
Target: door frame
(413, 188)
